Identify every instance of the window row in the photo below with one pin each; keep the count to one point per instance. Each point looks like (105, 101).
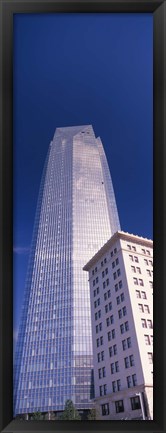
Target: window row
(138, 281)
(131, 247)
(147, 323)
(119, 405)
(144, 308)
(140, 294)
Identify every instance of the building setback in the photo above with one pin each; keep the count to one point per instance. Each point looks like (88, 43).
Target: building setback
(122, 327)
(76, 214)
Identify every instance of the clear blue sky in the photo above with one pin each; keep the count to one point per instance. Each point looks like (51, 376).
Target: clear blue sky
(76, 69)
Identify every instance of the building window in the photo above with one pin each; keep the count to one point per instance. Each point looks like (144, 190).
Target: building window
(134, 379)
(98, 357)
(105, 389)
(136, 259)
(138, 294)
(150, 357)
(129, 342)
(106, 271)
(133, 268)
(150, 324)
(102, 355)
(113, 265)
(135, 281)
(114, 275)
(143, 321)
(118, 272)
(120, 284)
(126, 361)
(93, 282)
(107, 281)
(151, 284)
(105, 260)
(105, 409)
(141, 308)
(135, 403)
(116, 366)
(94, 293)
(119, 406)
(102, 263)
(124, 309)
(117, 261)
(104, 285)
(103, 274)
(129, 382)
(97, 279)
(147, 339)
(114, 386)
(116, 287)
(141, 283)
(112, 368)
(131, 358)
(138, 270)
(96, 269)
(120, 314)
(143, 295)
(131, 258)
(129, 247)
(146, 309)
(99, 373)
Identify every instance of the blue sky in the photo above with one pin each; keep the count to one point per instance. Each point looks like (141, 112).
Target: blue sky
(76, 69)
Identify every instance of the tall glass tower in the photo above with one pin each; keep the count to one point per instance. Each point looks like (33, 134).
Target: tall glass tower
(76, 214)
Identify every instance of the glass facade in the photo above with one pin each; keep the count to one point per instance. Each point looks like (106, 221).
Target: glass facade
(76, 214)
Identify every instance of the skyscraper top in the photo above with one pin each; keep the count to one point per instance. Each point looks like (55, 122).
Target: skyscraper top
(73, 130)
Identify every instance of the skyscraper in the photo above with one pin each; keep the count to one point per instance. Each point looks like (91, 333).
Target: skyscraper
(76, 214)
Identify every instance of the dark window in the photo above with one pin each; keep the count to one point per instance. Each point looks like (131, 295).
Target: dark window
(119, 407)
(105, 409)
(135, 403)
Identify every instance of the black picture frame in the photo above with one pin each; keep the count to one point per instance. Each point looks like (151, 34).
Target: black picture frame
(7, 9)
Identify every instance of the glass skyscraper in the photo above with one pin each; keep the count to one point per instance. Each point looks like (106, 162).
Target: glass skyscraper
(76, 214)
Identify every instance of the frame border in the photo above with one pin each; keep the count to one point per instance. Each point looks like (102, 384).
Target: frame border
(7, 9)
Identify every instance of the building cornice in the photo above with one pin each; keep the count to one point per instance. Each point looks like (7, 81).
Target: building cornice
(118, 235)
